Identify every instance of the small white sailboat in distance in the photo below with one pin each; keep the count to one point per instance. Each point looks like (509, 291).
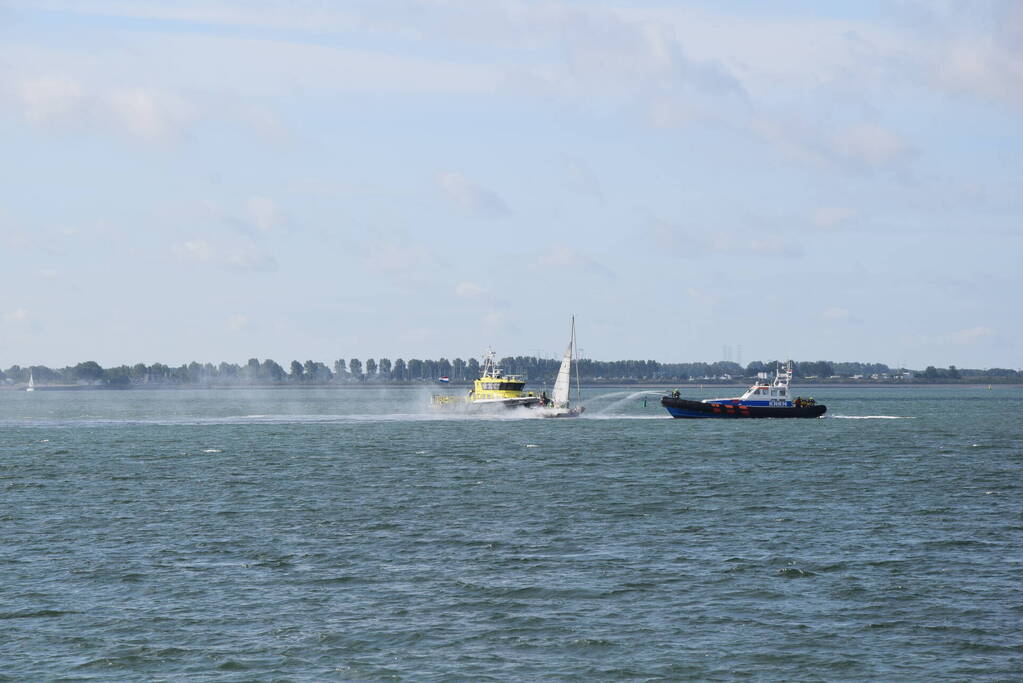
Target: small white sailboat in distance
(31, 382)
(560, 404)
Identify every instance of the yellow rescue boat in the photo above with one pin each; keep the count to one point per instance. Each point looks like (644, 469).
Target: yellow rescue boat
(492, 389)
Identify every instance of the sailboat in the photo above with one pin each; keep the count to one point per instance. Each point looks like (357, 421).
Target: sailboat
(560, 404)
(31, 382)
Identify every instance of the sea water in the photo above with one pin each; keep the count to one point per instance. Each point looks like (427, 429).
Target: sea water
(356, 534)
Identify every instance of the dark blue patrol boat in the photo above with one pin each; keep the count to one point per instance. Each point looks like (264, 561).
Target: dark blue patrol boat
(760, 400)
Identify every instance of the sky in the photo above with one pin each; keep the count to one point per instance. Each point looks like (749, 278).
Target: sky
(694, 181)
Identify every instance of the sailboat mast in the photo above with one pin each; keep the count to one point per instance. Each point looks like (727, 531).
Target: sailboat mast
(575, 356)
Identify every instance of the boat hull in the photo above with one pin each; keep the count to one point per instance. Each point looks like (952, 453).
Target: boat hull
(561, 412)
(523, 402)
(684, 408)
(462, 403)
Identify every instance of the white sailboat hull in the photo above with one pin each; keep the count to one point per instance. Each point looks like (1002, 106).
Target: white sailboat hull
(561, 412)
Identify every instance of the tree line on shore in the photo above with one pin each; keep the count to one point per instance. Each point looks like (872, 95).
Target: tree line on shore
(533, 369)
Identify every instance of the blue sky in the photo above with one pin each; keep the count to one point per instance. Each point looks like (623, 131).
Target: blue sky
(223, 180)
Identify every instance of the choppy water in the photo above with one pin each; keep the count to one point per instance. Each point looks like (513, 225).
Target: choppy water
(355, 535)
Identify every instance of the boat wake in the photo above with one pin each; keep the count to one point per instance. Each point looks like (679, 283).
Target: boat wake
(281, 419)
(871, 417)
(623, 416)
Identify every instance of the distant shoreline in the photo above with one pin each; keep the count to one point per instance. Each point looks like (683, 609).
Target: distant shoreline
(666, 386)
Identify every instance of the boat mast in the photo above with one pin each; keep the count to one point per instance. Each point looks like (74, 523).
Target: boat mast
(489, 368)
(575, 358)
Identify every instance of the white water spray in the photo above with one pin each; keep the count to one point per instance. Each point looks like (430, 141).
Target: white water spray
(620, 399)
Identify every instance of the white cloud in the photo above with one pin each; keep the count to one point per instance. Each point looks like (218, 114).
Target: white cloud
(247, 256)
(702, 297)
(198, 250)
(237, 255)
(982, 67)
(472, 198)
(469, 290)
(871, 145)
(863, 146)
(964, 337)
(149, 113)
(561, 257)
(237, 322)
(832, 216)
(835, 314)
(495, 323)
(697, 243)
(264, 213)
(50, 99)
(971, 335)
(256, 218)
(18, 315)
(583, 180)
(395, 257)
(69, 102)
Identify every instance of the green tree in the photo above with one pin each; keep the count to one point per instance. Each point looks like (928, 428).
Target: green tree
(296, 371)
(139, 372)
(89, 371)
(355, 365)
(952, 372)
(252, 369)
(316, 371)
(270, 370)
(754, 368)
(41, 372)
(385, 367)
(119, 376)
(371, 367)
(398, 373)
(415, 369)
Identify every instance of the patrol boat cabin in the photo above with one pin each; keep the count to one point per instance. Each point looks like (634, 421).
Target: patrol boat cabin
(762, 394)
